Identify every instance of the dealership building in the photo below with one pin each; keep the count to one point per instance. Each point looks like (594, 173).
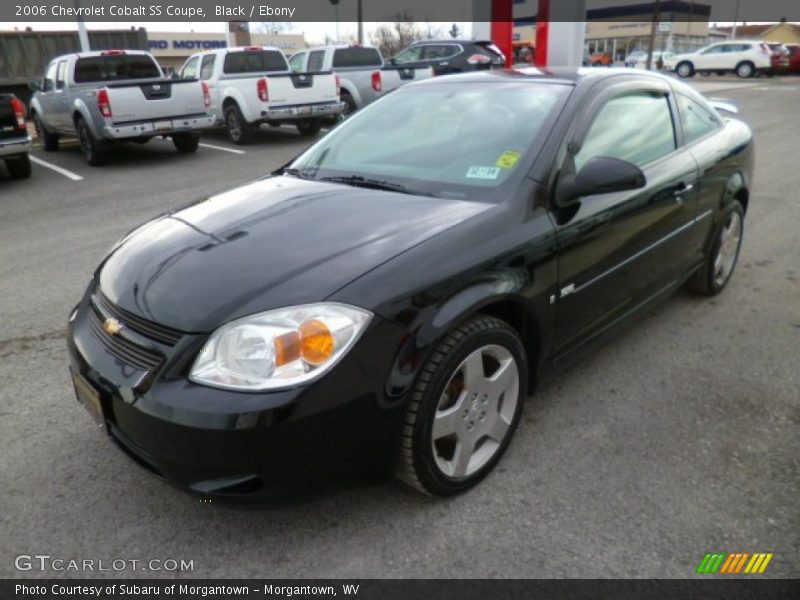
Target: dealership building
(172, 49)
(619, 30)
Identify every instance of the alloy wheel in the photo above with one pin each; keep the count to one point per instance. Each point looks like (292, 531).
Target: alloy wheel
(234, 127)
(475, 411)
(729, 241)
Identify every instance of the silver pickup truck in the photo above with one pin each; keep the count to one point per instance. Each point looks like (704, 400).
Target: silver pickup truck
(115, 95)
(363, 74)
(14, 139)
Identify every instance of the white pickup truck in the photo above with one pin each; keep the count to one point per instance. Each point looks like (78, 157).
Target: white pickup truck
(363, 74)
(253, 85)
(113, 95)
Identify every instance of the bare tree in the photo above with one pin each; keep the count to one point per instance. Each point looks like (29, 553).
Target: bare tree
(274, 27)
(403, 31)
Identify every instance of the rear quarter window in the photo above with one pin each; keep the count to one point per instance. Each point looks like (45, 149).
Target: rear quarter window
(258, 61)
(357, 57)
(115, 68)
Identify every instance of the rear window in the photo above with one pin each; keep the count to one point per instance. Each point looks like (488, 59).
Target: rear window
(357, 57)
(115, 68)
(256, 61)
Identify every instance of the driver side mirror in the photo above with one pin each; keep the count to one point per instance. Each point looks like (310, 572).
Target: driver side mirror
(601, 175)
(393, 61)
(35, 85)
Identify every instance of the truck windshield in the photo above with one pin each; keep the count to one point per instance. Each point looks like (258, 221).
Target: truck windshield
(115, 68)
(356, 57)
(254, 61)
(456, 140)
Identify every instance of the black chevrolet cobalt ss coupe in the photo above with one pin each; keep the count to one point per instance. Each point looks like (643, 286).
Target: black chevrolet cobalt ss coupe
(386, 301)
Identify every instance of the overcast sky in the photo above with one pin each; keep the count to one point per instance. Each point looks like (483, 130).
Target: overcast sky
(314, 32)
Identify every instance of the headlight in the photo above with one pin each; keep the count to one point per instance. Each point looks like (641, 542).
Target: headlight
(279, 348)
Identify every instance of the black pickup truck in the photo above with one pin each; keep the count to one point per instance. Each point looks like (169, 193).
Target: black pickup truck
(14, 139)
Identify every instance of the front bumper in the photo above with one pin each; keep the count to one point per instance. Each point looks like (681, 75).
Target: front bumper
(229, 444)
(15, 146)
(157, 127)
(302, 111)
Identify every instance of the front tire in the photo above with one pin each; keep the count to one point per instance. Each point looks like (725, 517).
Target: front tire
(745, 69)
(186, 143)
(721, 261)
(95, 151)
(49, 140)
(685, 69)
(464, 408)
(19, 166)
(239, 130)
(309, 127)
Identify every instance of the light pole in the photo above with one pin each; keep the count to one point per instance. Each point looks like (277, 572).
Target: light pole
(336, 16)
(360, 24)
(83, 36)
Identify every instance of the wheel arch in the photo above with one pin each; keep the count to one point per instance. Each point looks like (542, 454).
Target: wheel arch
(487, 298)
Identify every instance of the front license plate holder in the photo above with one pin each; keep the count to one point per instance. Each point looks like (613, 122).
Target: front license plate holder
(162, 125)
(89, 397)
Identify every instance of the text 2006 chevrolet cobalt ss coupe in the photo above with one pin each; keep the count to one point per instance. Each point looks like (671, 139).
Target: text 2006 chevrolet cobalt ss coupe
(388, 299)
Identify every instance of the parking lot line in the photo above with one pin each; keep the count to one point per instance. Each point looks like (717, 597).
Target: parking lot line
(223, 148)
(66, 173)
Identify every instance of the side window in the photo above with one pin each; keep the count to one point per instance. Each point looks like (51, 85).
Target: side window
(408, 55)
(315, 61)
(190, 68)
(440, 51)
(636, 127)
(61, 74)
(296, 62)
(697, 120)
(715, 49)
(50, 78)
(207, 68)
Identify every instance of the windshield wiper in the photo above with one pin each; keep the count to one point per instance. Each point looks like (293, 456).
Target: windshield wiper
(294, 172)
(375, 184)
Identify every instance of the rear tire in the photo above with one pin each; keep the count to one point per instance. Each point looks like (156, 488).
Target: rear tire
(49, 140)
(308, 127)
(685, 69)
(745, 69)
(95, 151)
(240, 131)
(459, 419)
(19, 166)
(721, 261)
(349, 105)
(186, 143)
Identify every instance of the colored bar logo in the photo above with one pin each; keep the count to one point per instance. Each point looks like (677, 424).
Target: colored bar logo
(734, 562)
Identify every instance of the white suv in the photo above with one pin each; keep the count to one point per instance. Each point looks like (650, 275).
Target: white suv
(745, 58)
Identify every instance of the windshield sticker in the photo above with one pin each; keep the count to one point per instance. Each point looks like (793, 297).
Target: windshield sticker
(508, 159)
(483, 173)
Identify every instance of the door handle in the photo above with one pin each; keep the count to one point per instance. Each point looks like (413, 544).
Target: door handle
(684, 188)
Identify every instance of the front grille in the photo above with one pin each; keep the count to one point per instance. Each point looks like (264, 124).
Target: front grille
(130, 353)
(159, 333)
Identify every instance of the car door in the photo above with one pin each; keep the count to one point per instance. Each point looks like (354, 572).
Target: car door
(711, 58)
(59, 107)
(45, 97)
(440, 57)
(617, 250)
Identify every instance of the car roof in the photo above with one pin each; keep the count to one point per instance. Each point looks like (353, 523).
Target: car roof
(450, 41)
(559, 75)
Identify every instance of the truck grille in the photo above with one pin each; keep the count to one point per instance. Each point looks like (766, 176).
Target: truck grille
(127, 351)
(159, 333)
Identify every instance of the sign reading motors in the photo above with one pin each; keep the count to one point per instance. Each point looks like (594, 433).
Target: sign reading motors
(186, 44)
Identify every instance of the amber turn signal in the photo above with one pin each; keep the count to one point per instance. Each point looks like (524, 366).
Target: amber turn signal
(316, 342)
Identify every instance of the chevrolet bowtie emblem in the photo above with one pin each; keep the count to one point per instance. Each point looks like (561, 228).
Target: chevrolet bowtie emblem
(112, 326)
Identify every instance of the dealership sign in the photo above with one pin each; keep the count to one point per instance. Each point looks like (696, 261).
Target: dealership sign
(157, 45)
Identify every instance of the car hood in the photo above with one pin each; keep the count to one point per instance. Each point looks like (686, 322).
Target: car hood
(275, 242)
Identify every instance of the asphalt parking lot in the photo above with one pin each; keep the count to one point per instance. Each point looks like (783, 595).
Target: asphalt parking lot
(680, 437)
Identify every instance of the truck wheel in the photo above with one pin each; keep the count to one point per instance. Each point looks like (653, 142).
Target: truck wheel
(49, 140)
(186, 143)
(309, 127)
(19, 166)
(95, 151)
(463, 408)
(349, 105)
(239, 130)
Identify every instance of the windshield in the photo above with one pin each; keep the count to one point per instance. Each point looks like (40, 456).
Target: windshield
(455, 140)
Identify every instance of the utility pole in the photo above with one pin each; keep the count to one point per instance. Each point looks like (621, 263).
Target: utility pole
(336, 16)
(735, 20)
(656, 13)
(360, 23)
(83, 36)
